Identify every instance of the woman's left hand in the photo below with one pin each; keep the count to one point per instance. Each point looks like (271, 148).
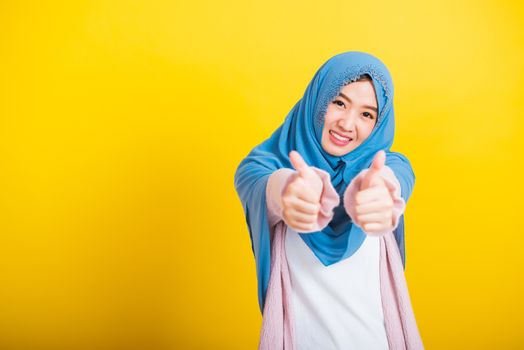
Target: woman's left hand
(374, 202)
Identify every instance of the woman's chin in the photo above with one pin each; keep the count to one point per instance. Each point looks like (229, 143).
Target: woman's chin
(338, 151)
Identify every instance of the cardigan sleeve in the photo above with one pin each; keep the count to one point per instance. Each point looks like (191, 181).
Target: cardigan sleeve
(276, 186)
(394, 188)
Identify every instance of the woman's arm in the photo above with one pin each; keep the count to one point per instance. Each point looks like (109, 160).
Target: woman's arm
(276, 184)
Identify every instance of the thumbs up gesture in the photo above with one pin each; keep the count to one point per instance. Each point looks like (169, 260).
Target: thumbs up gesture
(301, 196)
(373, 201)
(373, 178)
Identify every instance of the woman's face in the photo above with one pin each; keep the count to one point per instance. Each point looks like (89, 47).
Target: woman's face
(351, 116)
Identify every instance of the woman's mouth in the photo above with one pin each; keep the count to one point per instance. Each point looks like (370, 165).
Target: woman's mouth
(338, 139)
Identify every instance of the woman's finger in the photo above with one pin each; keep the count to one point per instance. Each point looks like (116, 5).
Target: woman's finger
(371, 194)
(302, 227)
(372, 207)
(304, 207)
(379, 217)
(300, 205)
(372, 177)
(301, 189)
(305, 193)
(294, 215)
(373, 227)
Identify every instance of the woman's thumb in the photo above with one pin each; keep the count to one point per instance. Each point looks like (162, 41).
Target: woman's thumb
(378, 161)
(297, 161)
(376, 166)
(300, 165)
(307, 173)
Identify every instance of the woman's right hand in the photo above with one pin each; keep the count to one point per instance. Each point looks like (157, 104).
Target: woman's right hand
(301, 197)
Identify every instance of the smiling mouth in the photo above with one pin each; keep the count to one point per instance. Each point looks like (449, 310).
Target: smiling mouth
(341, 139)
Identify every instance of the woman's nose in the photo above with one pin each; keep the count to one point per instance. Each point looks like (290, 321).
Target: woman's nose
(347, 122)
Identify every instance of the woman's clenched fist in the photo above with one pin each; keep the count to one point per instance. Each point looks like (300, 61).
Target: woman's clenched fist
(373, 202)
(301, 196)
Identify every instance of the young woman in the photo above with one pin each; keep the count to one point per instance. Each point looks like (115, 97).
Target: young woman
(324, 199)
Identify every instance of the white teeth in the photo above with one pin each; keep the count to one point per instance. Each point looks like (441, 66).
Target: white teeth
(337, 136)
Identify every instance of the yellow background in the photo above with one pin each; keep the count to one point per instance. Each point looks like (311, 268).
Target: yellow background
(122, 123)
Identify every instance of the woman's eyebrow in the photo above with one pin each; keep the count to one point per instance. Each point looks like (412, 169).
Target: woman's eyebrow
(347, 98)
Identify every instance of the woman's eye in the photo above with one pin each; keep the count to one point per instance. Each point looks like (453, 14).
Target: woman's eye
(338, 103)
(368, 115)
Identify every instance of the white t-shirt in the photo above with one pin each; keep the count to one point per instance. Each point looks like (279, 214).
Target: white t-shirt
(337, 306)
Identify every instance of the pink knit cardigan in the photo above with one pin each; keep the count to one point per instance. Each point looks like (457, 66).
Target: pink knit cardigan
(277, 331)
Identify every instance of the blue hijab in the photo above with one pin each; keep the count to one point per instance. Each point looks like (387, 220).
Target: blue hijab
(302, 131)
